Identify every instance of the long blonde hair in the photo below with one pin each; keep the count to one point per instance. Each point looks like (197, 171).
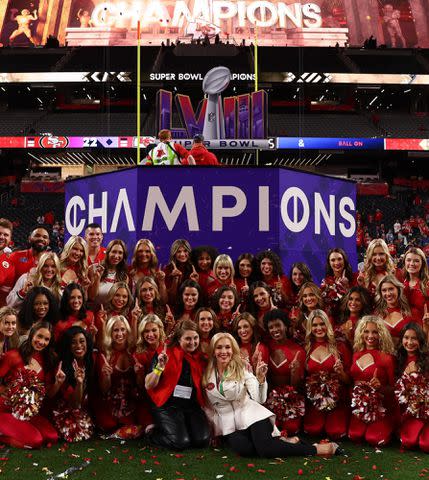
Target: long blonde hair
(82, 271)
(380, 302)
(235, 370)
(368, 267)
(309, 338)
(107, 338)
(385, 342)
(151, 318)
(153, 264)
(37, 277)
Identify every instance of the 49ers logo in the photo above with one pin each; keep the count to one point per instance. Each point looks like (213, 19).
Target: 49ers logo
(54, 142)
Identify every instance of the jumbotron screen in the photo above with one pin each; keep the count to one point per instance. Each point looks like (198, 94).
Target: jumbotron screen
(395, 23)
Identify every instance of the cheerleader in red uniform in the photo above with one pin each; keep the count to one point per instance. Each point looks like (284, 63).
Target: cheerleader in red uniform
(73, 312)
(145, 264)
(39, 305)
(112, 269)
(31, 364)
(413, 369)
(354, 305)
(309, 299)
(9, 338)
(271, 272)
(226, 305)
(117, 380)
(328, 366)
(74, 262)
(392, 306)
(373, 370)
(223, 272)
(245, 331)
(377, 264)
(416, 279)
(179, 269)
(150, 342)
(260, 302)
(208, 325)
(299, 274)
(338, 279)
(245, 275)
(150, 302)
(71, 409)
(118, 302)
(189, 300)
(286, 366)
(203, 259)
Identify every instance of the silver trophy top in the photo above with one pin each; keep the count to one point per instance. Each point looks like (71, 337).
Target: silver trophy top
(216, 80)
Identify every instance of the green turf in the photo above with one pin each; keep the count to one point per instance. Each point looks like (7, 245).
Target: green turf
(113, 459)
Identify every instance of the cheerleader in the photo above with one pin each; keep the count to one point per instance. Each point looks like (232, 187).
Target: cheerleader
(244, 329)
(392, 306)
(286, 363)
(270, 270)
(226, 305)
(71, 410)
(354, 305)
(223, 272)
(260, 302)
(9, 338)
(111, 270)
(145, 264)
(39, 305)
(328, 366)
(27, 368)
(299, 274)
(372, 371)
(416, 279)
(377, 264)
(413, 373)
(245, 275)
(207, 324)
(189, 300)
(47, 274)
(74, 262)
(338, 279)
(203, 259)
(179, 269)
(73, 312)
(117, 380)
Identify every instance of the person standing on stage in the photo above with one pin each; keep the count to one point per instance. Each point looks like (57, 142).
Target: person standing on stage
(200, 153)
(168, 153)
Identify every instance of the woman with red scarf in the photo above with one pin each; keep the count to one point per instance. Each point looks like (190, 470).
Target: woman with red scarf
(174, 387)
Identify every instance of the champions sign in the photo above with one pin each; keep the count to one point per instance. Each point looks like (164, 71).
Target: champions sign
(396, 23)
(298, 215)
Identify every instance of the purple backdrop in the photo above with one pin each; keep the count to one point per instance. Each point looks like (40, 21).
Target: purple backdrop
(298, 215)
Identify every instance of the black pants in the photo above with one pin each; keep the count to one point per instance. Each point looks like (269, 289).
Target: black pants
(180, 428)
(257, 440)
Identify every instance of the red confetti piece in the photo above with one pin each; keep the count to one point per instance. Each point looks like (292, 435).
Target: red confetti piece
(156, 462)
(250, 465)
(233, 469)
(374, 467)
(260, 470)
(179, 455)
(300, 471)
(143, 461)
(115, 460)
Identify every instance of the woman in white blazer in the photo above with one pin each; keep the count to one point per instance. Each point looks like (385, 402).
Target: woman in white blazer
(234, 397)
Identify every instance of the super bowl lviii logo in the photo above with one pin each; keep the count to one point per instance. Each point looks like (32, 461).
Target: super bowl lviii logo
(239, 116)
